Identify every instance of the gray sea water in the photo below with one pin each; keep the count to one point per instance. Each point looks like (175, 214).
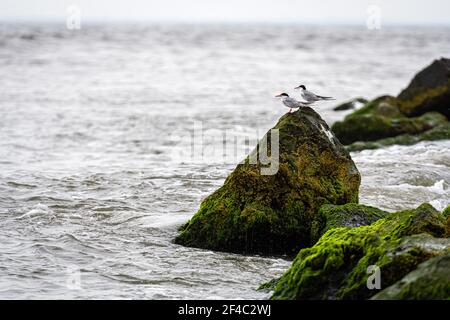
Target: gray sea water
(96, 131)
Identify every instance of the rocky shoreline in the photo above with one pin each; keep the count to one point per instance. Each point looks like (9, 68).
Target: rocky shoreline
(308, 208)
(420, 112)
(338, 265)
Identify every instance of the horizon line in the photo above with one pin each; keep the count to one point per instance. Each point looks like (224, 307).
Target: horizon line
(118, 20)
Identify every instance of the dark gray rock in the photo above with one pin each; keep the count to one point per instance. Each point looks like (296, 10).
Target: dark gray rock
(428, 91)
(352, 104)
(430, 281)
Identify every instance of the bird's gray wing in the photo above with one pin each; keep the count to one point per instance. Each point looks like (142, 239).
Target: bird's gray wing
(292, 103)
(309, 96)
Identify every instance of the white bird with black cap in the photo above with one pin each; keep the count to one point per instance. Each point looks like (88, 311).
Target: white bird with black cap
(291, 103)
(309, 96)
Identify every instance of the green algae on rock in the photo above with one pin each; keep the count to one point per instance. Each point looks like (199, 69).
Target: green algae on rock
(446, 212)
(269, 285)
(347, 215)
(336, 266)
(272, 214)
(441, 132)
(430, 281)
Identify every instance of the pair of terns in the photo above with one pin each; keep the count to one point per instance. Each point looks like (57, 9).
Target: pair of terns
(308, 96)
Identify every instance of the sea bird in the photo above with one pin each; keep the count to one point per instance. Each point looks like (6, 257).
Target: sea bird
(309, 96)
(291, 103)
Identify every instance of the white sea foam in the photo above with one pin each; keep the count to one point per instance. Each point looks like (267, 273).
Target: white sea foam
(38, 210)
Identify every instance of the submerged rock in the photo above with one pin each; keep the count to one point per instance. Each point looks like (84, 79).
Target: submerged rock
(421, 107)
(440, 132)
(270, 285)
(352, 104)
(336, 267)
(273, 214)
(430, 281)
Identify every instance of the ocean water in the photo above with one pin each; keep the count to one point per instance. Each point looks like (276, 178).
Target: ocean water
(99, 162)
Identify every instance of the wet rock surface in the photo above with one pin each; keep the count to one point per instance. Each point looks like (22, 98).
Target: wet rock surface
(273, 214)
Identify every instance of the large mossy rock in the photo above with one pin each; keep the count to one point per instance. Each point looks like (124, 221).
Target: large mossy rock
(430, 281)
(273, 214)
(428, 91)
(421, 107)
(336, 267)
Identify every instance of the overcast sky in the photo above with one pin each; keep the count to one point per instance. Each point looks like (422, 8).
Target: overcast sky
(274, 11)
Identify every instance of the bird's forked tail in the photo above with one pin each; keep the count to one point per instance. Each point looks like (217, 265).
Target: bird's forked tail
(326, 98)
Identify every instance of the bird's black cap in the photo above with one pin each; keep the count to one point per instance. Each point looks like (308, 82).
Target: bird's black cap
(301, 86)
